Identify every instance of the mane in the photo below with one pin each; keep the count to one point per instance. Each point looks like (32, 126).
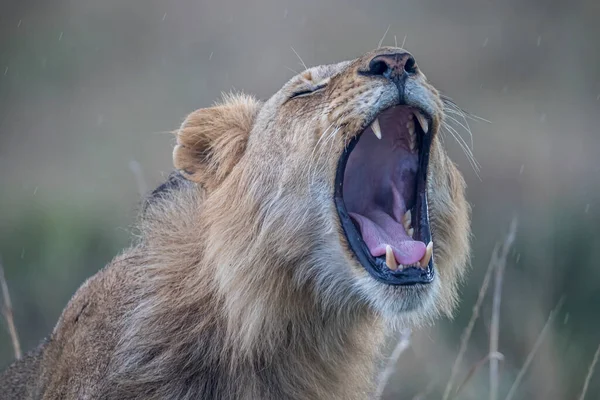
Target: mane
(189, 336)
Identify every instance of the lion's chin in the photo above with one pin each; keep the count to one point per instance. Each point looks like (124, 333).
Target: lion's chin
(402, 306)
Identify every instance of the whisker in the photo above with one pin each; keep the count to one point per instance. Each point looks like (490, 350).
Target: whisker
(470, 157)
(466, 127)
(450, 103)
(323, 135)
(310, 161)
(331, 135)
(383, 38)
(293, 70)
(300, 58)
(461, 141)
(453, 113)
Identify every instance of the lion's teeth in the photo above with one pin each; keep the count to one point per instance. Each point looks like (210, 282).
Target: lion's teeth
(410, 125)
(422, 121)
(390, 259)
(425, 260)
(407, 220)
(376, 128)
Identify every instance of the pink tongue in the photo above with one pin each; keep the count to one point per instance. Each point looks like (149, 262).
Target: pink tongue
(379, 229)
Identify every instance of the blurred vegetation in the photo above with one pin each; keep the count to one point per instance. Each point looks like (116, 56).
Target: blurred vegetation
(88, 87)
(47, 251)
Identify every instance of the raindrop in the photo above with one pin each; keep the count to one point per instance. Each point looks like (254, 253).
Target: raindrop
(587, 208)
(485, 42)
(539, 40)
(210, 57)
(164, 16)
(60, 36)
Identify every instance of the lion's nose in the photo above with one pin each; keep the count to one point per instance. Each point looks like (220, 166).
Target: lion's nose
(393, 66)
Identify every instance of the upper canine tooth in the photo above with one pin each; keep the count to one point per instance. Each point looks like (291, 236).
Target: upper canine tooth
(425, 260)
(390, 259)
(376, 128)
(422, 121)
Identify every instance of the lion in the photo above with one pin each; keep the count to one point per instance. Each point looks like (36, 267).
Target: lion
(293, 234)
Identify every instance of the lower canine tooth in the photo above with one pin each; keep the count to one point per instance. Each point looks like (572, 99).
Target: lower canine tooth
(390, 260)
(425, 260)
(376, 128)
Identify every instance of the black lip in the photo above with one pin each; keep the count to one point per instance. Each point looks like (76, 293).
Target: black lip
(376, 266)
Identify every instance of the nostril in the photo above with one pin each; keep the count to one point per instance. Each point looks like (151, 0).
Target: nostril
(393, 66)
(410, 65)
(378, 67)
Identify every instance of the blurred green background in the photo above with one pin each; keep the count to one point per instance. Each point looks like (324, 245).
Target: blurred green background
(88, 90)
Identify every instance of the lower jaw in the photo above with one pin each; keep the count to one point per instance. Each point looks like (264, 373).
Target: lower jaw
(403, 304)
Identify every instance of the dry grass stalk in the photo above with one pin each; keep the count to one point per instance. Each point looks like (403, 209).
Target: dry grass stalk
(466, 335)
(588, 378)
(495, 323)
(475, 368)
(7, 312)
(428, 390)
(498, 258)
(403, 344)
(531, 355)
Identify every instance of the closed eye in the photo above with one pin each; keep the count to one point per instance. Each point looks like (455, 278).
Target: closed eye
(306, 92)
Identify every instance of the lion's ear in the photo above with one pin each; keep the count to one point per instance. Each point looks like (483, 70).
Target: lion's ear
(212, 140)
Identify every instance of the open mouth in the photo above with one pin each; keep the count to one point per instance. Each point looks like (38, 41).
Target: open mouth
(381, 197)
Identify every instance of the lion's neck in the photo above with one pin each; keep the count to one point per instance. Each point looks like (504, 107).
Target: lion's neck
(232, 319)
(323, 356)
(281, 346)
(287, 344)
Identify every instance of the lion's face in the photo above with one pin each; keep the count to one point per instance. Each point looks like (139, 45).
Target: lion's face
(343, 178)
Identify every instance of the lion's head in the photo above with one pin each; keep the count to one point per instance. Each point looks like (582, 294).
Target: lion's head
(337, 183)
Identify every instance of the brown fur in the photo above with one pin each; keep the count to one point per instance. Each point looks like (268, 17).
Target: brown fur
(243, 285)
